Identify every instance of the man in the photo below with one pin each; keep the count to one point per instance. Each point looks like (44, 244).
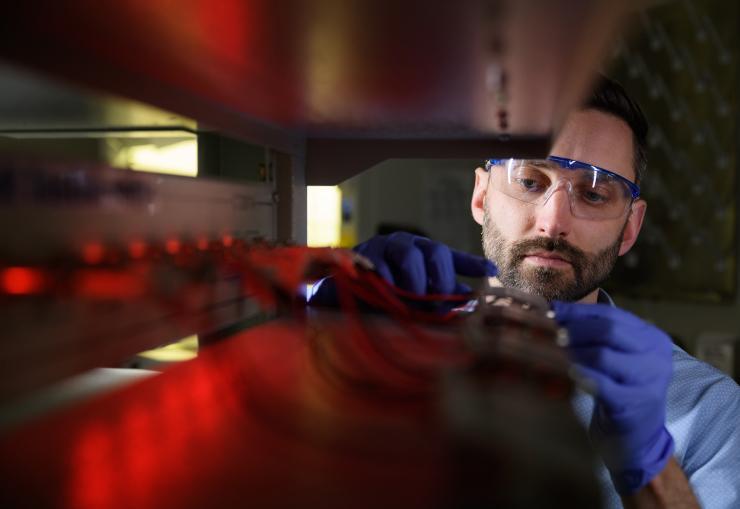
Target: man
(666, 422)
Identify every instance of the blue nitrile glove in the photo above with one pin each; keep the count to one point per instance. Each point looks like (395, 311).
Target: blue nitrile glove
(630, 362)
(414, 263)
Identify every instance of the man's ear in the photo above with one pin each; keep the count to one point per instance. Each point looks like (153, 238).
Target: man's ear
(478, 201)
(633, 226)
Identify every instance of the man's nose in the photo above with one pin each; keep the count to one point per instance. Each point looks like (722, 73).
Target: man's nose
(554, 216)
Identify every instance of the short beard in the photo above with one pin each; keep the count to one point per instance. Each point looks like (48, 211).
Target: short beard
(589, 271)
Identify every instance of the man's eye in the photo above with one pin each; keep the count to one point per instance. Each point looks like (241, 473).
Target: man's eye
(595, 197)
(529, 184)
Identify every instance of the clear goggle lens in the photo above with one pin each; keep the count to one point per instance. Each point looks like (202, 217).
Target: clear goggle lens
(594, 193)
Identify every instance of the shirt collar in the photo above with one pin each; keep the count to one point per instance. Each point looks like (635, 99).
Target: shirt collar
(605, 298)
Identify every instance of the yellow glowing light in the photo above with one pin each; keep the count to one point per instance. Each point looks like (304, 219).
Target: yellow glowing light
(179, 158)
(183, 350)
(324, 215)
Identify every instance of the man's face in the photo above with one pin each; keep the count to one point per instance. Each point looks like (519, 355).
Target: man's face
(543, 249)
(549, 280)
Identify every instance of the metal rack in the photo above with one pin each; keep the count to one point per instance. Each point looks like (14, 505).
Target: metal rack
(329, 88)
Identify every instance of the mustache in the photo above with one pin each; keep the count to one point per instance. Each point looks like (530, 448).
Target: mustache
(560, 246)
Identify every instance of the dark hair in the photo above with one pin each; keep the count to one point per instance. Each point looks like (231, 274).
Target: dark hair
(610, 97)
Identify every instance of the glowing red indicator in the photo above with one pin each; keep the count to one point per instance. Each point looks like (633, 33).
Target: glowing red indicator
(93, 252)
(202, 243)
(21, 281)
(227, 240)
(107, 284)
(137, 249)
(172, 246)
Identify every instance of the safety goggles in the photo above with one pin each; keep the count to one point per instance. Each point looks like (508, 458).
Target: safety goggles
(594, 193)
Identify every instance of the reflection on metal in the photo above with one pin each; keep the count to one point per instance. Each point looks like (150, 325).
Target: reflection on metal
(174, 157)
(99, 252)
(278, 73)
(183, 350)
(32, 106)
(65, 207)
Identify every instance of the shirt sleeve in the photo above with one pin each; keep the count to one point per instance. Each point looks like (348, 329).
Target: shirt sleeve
(706, 418)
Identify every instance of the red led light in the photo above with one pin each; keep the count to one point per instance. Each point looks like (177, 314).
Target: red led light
(108, 284)
(202, 243)
(227, 240)
(172, 246)
(93, 253)
(137, 249)
(21, 281)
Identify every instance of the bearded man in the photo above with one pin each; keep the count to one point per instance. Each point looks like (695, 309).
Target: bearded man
(668, 423)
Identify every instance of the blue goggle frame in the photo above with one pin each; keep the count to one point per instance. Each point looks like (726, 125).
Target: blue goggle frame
(572, 164)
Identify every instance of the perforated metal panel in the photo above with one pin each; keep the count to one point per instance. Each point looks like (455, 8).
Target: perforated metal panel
(681, 67)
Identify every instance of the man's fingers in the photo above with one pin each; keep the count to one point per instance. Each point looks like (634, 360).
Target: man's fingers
(374, 250)
(602, 333)
(438, 263)
(471, 265)
(385, 272)
(600, 324)
(420, 265)
(461, 289)
(608, 391)
(624, 368)
(574, 311)
(407, 265)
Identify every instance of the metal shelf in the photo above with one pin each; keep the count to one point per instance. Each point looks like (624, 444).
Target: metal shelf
(285, 74)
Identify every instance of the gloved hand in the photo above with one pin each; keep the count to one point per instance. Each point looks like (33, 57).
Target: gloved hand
(630, 362)
(416, 264)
